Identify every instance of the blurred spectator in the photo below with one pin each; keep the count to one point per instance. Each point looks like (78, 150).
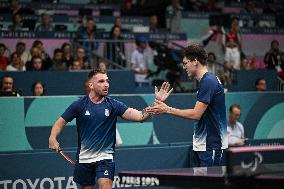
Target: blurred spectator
(15, 63)
(75, 66)
(274, 58)
(140, 61)
(102, 66)
(231, 42)
(115, 49)
(210, 6)
(3, 59)
(67, 53)
(260, 85)
(235, 128)
(249, 8)
(36, 63)
(58, 64)
(87, 37)
(33, 52)
(118, 23)
(211, 59)
(82, 59)
(248, 63)
(7, 86)
(268, 8)
(45, 25)
(174, 16)
(21, 52)
(38, 89)
(47, 62)
(128, 9)
(17, 23)
(153, 23)
(14, 6)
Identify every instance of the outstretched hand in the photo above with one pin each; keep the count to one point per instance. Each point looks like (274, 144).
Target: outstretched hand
(164, 92)
(158, 108)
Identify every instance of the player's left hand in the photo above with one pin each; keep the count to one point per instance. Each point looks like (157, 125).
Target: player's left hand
(158, 108)
(164, 91)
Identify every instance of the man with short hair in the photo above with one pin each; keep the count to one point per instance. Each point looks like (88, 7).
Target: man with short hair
(96, 115)
(210, 127)
(7, 86)
(260, 85)
(235, 129)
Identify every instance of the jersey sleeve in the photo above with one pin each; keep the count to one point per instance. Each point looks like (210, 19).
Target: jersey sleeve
(120, 107)
(71, 112)
(206, 91)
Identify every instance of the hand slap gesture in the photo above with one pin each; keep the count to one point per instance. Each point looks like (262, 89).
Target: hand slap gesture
(164, 92)
(158, 108)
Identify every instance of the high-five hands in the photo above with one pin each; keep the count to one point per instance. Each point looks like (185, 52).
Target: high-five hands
(158, 108)
(164, 92)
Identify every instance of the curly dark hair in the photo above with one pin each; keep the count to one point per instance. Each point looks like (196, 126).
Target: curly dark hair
(195, 51)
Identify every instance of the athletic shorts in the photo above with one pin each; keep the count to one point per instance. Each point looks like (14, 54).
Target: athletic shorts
(86, 174)
(208, 158)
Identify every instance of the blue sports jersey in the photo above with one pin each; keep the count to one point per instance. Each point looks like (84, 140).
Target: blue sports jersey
(210, 132)
(96, 124)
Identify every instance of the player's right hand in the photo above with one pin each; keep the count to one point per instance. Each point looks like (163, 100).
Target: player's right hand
(53, 144)
(164, 92)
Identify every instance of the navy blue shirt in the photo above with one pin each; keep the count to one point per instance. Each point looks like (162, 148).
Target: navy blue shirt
(96, 124)
(210, 132)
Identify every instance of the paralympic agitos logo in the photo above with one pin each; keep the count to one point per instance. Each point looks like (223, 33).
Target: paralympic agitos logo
(253, 165)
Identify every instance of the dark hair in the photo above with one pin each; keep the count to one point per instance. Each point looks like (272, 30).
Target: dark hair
(36, 43)
(213, 54)
(12, 55)
(274, 41)
(3, 45)
(258, 80)
(20, 43)
(90, 18)
(95, 72)
(234, 106)
(42, 84)
(57, 51)
(112, 30)
(14, 16)
(65, 44)
(2, 79)
(195, 51)
(35, 57)
(234, 18)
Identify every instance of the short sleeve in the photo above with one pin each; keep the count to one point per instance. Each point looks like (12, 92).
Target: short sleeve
(206, 91)
(71, 112)
(120, 107)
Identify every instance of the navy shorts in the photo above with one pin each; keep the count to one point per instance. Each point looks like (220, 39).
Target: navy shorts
(86, 174)
(208, 158)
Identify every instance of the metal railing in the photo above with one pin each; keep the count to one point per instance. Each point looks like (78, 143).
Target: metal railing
(281, 84)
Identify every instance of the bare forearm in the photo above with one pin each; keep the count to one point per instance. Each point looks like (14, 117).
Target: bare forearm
(132, 114)
(186, 113)
(57, 127)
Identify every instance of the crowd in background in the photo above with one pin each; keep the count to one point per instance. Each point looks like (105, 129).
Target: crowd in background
(69, 57)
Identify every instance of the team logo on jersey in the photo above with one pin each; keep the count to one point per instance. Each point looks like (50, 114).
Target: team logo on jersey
(87, 112)
(106, 112)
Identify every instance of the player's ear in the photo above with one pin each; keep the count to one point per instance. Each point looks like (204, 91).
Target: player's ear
(91, 86)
